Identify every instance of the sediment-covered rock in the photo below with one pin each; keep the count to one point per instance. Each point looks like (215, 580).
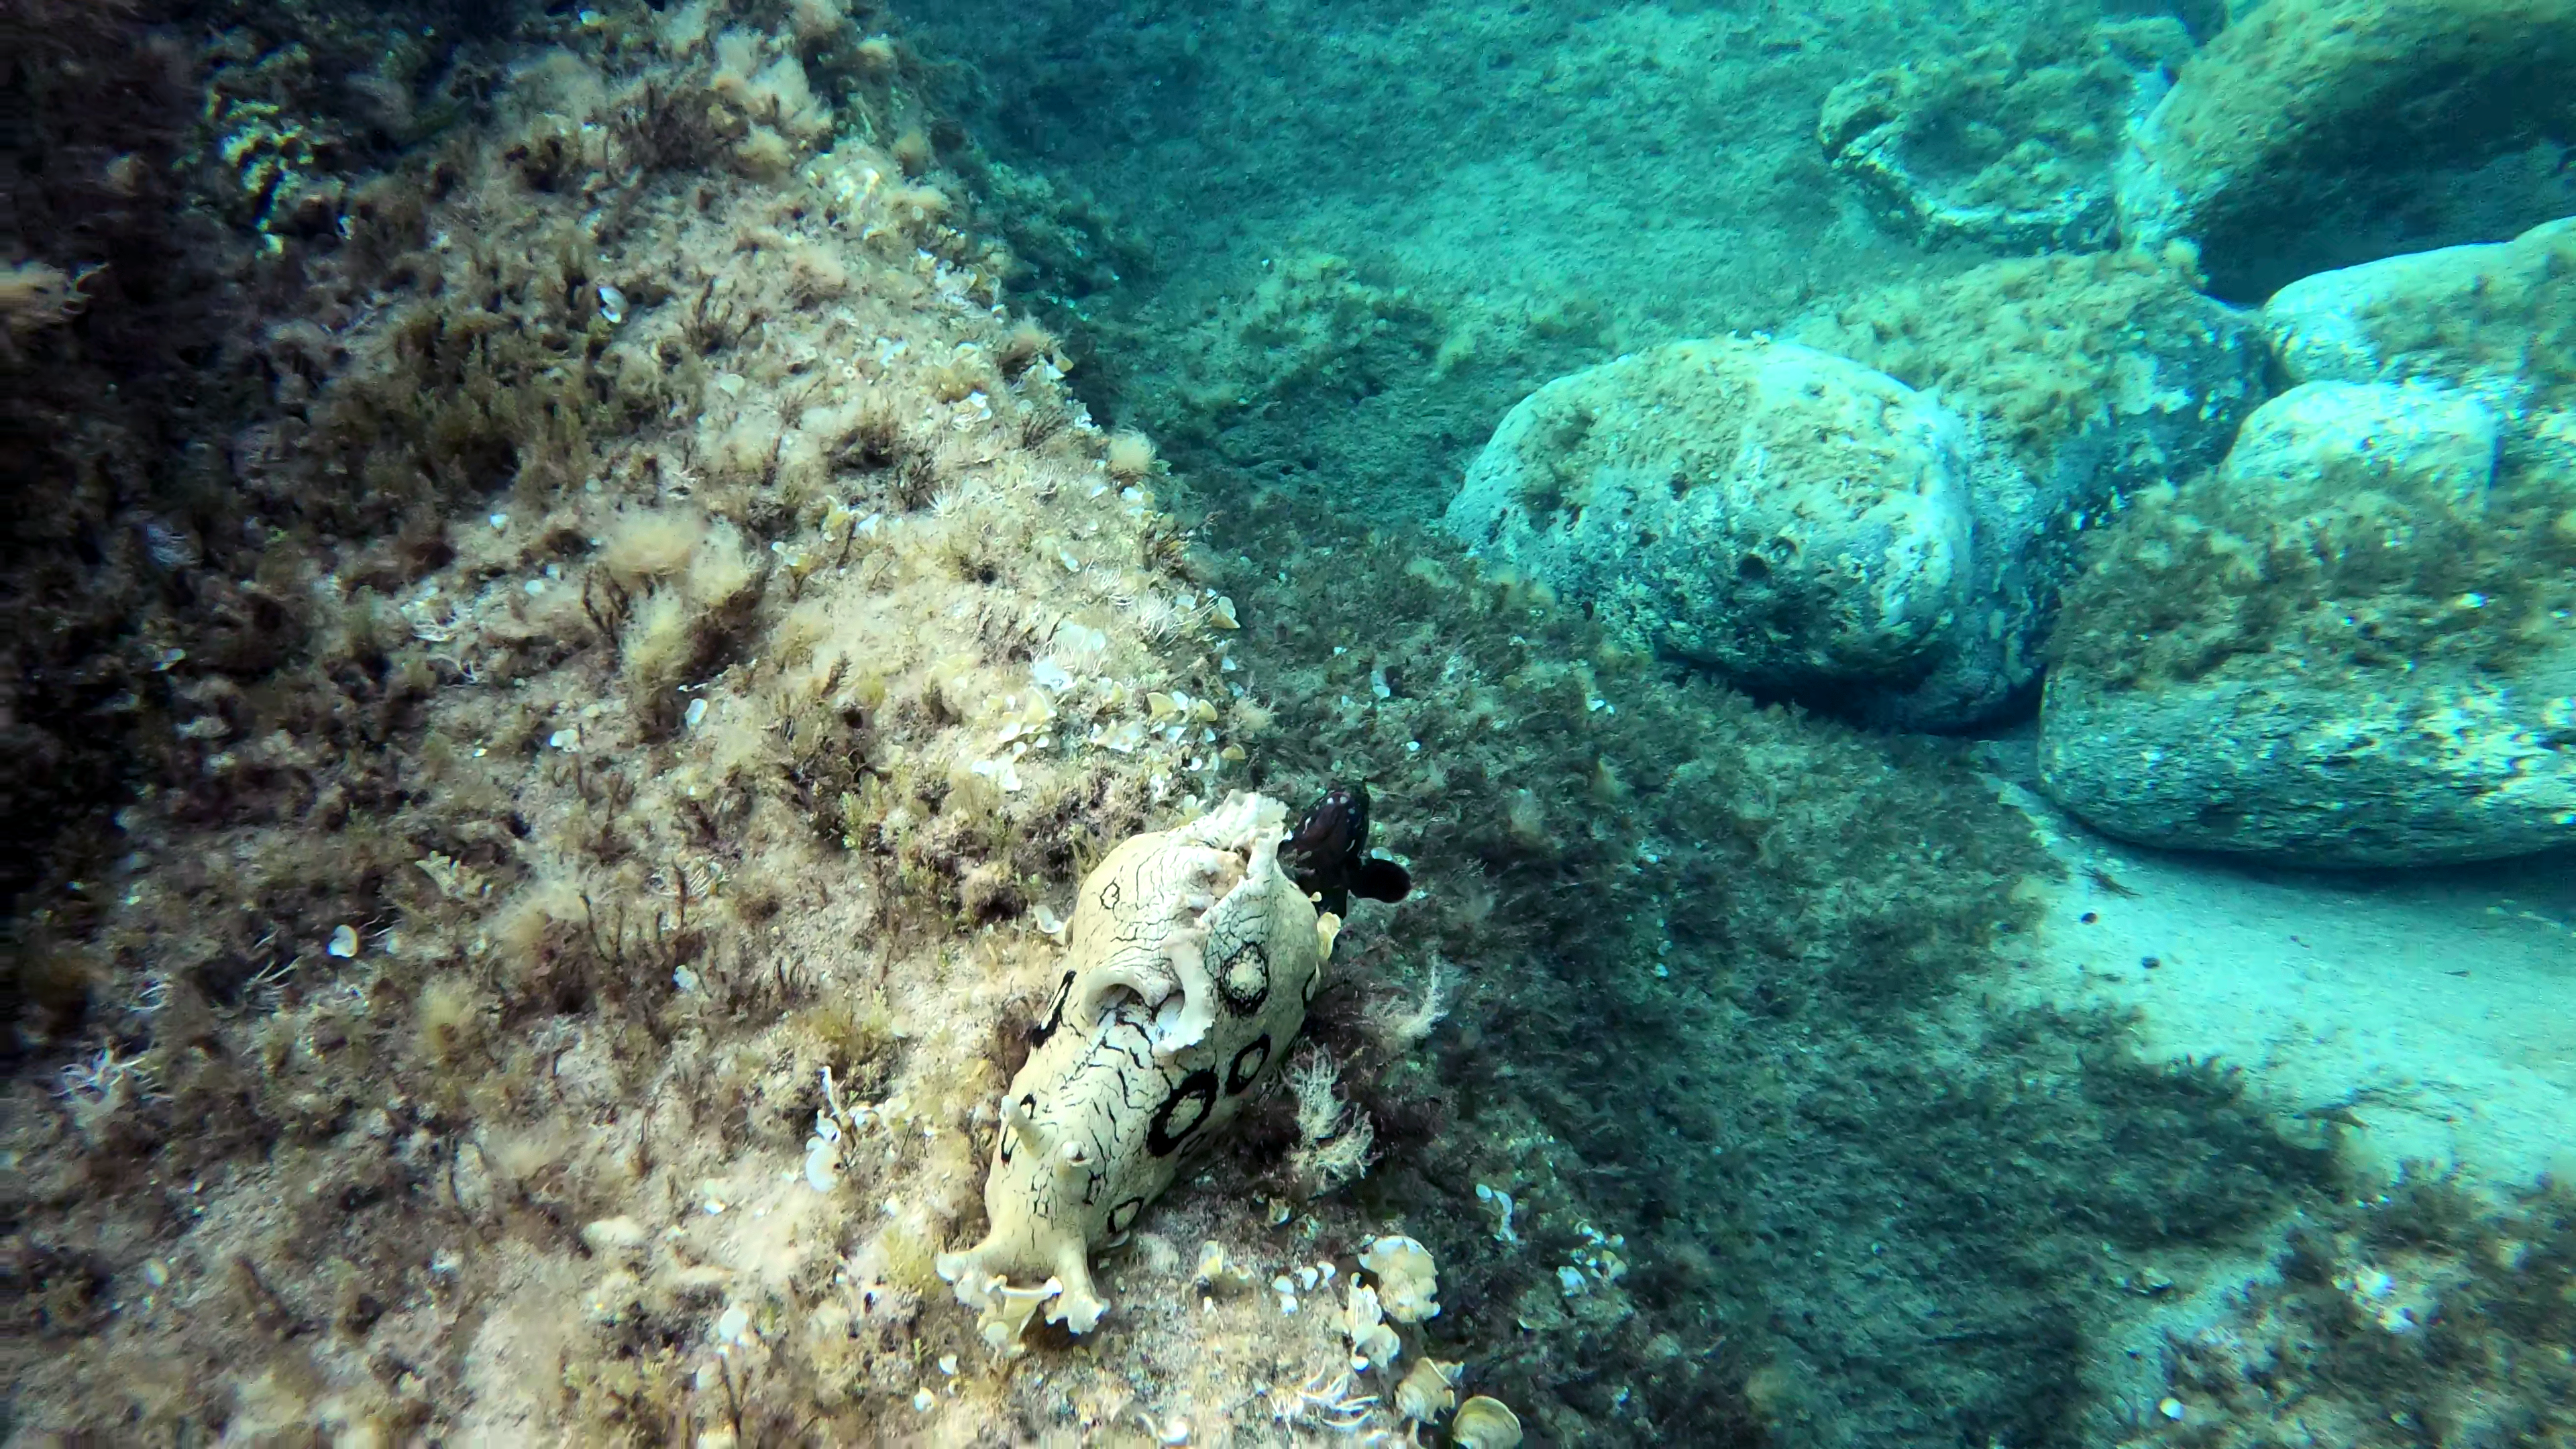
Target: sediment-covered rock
(2346, 647)
(1790, 518)
(2318, 133)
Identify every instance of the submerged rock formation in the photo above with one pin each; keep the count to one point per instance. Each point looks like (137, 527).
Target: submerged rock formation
(2351, 645)
(2008, 147)
(2318, 133)
(1883, 537)
(1789, 518)
(2083, 379)
(2347, 647)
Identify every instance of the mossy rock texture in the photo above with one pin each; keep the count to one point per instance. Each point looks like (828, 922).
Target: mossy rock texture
(2077, 380)
(2318, 133)
(2096, 372)
(2497, 318)
(2347, 647)
(2435, 767)
(1791, 519)
(2007, 147)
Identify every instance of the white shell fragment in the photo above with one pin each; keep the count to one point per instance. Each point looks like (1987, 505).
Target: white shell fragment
(1408, 1283)
(344, 942)
(1484, 1423)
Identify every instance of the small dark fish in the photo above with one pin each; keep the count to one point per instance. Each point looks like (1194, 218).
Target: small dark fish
(1327, 855)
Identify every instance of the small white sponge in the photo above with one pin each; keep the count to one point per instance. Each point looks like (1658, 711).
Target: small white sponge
(1192, 958)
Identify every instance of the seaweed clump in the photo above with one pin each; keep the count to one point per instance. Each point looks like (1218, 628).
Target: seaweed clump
(1715, 1053)
(688, 631)
(2431, 1312)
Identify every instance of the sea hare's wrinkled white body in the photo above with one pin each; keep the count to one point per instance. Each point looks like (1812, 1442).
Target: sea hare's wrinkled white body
(1192, 958)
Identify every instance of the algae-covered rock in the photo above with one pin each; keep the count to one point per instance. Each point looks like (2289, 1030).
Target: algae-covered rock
(1813, 528)
(2083, 379)
(2008, 146)
(2498, 319)
(2349, 646)
(1790, 518)
(2076, 364)
(2316, 133)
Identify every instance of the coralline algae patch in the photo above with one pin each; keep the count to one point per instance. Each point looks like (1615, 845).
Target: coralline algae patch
(710, 630)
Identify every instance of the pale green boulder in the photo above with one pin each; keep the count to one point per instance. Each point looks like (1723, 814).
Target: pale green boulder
(2318, 133)
(1790, 519)
(2349, 646)
(2497, 319)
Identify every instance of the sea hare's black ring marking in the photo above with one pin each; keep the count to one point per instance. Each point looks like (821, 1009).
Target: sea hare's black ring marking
(1109, 894)
(1245, 1003)
(1247, 1066)
(1198, 1091)
(1055, 1013)
(1123, 1216)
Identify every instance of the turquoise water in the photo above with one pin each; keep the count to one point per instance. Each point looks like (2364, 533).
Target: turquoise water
(1318, 249)
(1962, 617)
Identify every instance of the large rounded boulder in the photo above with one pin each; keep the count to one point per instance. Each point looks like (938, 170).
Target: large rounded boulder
(1790, 519)
(2350, 645)
(2320, 133)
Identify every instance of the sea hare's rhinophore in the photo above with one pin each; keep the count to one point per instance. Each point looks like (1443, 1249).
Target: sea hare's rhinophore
(1192, 957)
(1328, 855)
